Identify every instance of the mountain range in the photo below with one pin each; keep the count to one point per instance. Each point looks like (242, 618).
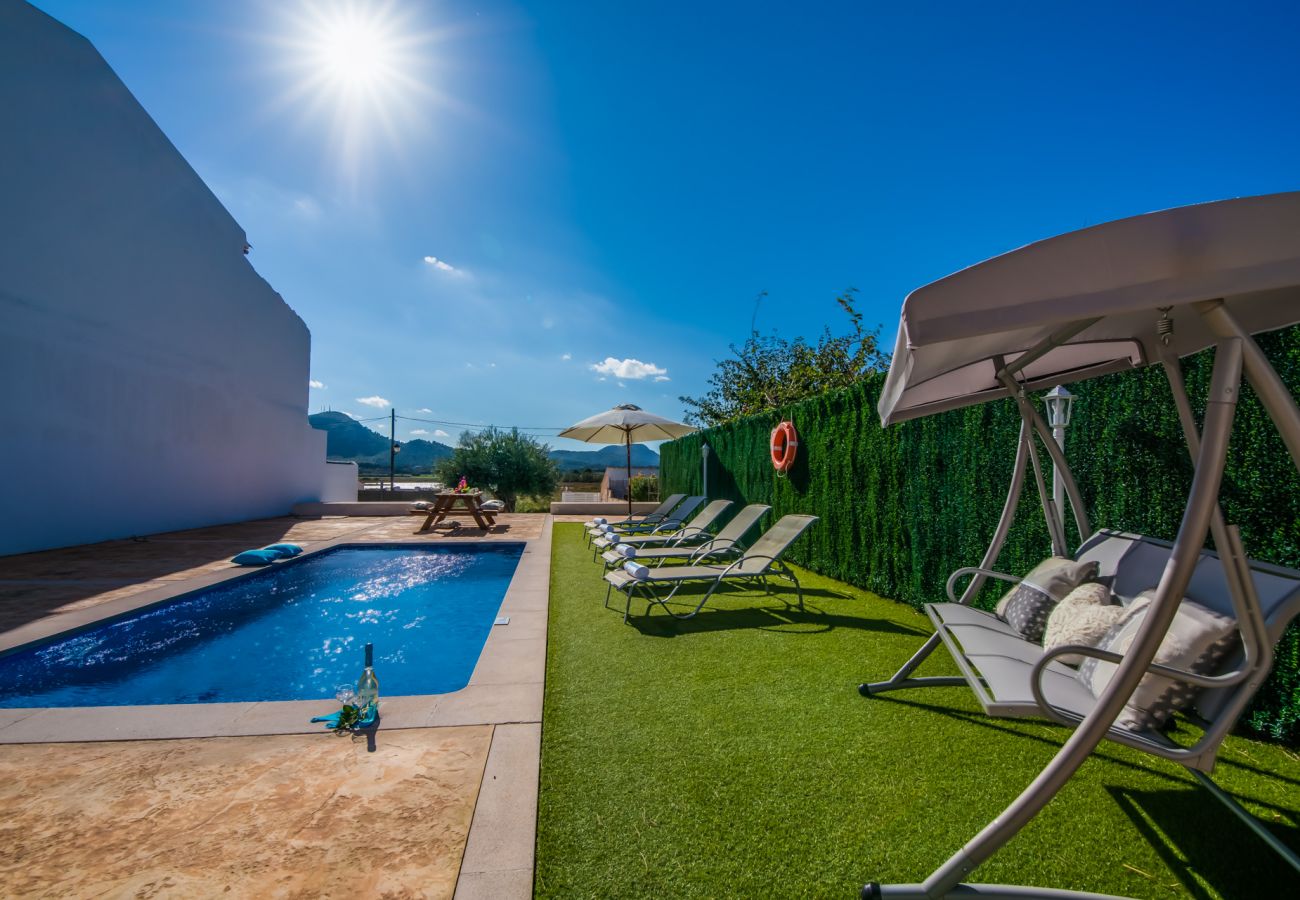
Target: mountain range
(348, 439)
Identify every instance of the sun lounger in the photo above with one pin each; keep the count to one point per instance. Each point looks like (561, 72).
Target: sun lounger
(673, 522)
(658, 515)
(756, 564)
(696, 530)
(725, 545)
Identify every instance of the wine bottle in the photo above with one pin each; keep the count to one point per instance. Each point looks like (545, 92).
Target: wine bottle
(368, 684)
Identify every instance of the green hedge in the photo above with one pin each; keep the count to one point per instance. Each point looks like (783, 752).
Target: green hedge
(903, 507)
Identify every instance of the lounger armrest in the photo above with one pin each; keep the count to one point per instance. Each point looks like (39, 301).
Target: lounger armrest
(746, 558)
(975, 570)
(690, 532)
(713, 548)
(666, 526)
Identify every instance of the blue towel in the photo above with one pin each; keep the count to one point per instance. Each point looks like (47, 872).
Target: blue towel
(367, 718)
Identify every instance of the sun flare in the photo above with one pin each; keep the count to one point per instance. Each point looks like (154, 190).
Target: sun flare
(355, 52)
(361, 70)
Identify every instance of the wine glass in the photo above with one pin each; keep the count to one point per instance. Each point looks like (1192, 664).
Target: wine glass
(347, 695)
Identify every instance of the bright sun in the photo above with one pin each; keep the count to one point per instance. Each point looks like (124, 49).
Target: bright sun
(360, 69)
(354, 52)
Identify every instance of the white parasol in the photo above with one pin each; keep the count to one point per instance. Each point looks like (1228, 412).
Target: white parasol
(626, 424)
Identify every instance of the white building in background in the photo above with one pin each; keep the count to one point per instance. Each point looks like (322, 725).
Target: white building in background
(150, 379)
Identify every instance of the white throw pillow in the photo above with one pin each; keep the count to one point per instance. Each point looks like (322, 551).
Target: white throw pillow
(1083, 617)
(1197, 641)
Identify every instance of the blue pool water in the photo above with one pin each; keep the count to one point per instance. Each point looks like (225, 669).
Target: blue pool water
(295, 631)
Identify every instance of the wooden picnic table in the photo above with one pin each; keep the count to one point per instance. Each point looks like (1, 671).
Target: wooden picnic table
(449, 501)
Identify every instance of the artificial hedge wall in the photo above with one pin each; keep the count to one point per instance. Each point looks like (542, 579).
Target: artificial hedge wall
(901, 508)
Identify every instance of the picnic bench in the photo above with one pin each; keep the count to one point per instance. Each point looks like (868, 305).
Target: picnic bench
(448, 502)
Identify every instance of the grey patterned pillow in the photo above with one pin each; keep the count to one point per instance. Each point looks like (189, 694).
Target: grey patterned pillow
(1027, 606)
(1197, 641)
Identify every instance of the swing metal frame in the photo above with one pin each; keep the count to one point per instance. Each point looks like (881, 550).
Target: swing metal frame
(1236, 354)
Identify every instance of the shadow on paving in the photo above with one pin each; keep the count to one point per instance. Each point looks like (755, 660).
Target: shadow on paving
(36, 585)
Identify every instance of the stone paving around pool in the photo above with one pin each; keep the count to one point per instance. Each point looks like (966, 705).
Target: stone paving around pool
(283, 816)
(431, 812)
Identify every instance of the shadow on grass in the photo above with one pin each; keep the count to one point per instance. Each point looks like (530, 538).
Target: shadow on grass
(1172, 822)
(1292, 838)
(786, 618)
(993, 724)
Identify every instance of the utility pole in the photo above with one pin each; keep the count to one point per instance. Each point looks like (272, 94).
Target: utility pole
(392, 447)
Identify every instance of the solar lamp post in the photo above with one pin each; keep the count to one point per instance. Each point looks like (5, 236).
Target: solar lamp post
(1060, 406)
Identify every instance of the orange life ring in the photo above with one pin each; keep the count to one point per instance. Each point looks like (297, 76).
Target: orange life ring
(785, 446)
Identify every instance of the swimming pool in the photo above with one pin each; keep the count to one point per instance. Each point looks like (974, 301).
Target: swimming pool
(294, 631)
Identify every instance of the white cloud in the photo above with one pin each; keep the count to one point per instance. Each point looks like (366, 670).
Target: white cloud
(316, 384)
(441, 433)
(375, 401)
(443, 266)
(306, 208)
(627, 368)
(567, 356)
(662, 378)
(492, 365)
(621, 384)
(419, 431)
(424, 409)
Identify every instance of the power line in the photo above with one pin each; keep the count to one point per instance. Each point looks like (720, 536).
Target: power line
(480, 427)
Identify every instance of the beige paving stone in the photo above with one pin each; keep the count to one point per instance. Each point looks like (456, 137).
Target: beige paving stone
(525, 624)
(285, 816)
(514, 884)
(512, 662)
(481, 703)
(505, 820)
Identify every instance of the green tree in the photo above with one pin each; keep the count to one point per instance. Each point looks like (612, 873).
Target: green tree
(507, 463)
(769, 371)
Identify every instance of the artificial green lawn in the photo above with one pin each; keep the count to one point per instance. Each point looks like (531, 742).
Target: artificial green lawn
(732, 754)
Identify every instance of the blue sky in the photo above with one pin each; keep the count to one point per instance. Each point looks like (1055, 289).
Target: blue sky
(527, 191)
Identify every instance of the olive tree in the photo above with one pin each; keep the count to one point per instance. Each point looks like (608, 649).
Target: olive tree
(507, 463)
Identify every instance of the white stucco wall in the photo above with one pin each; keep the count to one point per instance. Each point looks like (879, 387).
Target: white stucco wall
(340, 482)
(151, 380)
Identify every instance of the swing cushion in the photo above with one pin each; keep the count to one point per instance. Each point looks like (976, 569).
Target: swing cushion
(1083, 617)
(1197, 641)
(1027, 606)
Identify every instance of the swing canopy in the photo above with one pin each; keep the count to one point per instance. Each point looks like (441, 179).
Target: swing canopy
(1112, 279)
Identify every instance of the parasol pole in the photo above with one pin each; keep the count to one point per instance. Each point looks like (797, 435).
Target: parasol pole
(627, 433)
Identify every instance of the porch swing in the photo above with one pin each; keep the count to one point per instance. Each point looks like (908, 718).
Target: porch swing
(1135, 292)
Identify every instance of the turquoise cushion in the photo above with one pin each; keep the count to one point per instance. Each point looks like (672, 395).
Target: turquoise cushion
(284, 550)
(256, 558)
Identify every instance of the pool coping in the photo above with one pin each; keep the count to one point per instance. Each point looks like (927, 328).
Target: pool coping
(504, 688)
